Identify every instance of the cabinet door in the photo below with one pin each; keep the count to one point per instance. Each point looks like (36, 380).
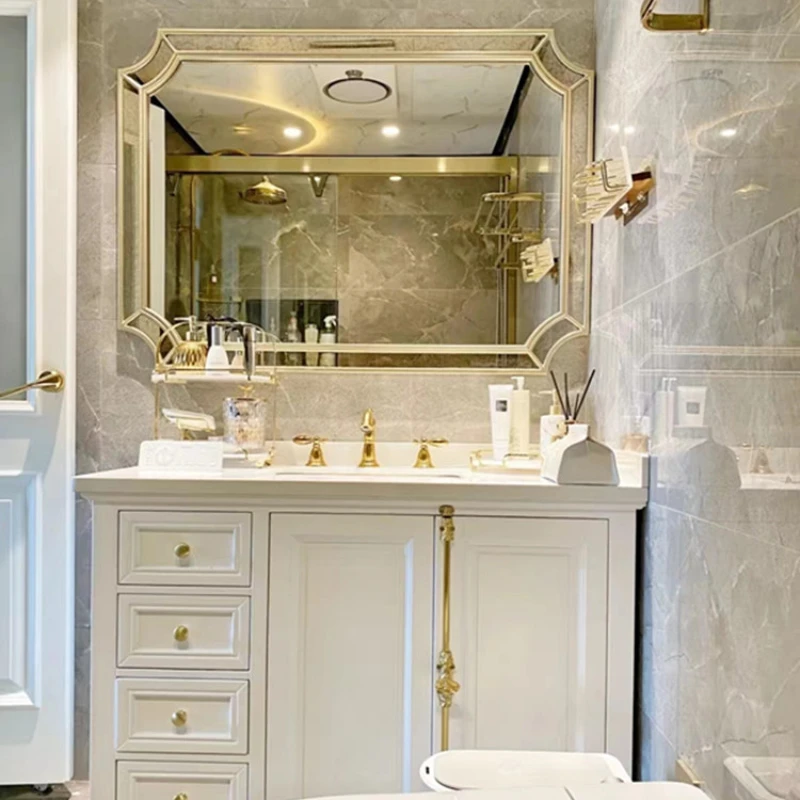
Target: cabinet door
(350, 653)
(529, 633)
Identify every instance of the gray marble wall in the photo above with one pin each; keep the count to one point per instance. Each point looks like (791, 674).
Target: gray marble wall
(114, 394)
(704, 288)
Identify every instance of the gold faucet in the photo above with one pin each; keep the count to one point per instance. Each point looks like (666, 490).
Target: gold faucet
(368, 429)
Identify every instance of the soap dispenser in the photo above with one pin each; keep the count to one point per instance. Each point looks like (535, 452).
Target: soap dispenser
(519, 440)
(328, 336)
(552, 425)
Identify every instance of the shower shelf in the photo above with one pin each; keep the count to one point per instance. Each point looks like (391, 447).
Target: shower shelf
(675, 23)
(176, 375)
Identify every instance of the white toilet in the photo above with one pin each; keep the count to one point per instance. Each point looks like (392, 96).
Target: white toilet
(459, 770)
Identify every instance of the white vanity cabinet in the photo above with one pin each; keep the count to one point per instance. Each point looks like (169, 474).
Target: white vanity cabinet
(259, 639)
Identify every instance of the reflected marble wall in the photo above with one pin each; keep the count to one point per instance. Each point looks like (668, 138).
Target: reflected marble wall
(114, 396)
(704, 288)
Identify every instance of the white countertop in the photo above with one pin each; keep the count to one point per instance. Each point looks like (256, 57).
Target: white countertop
(447, 484)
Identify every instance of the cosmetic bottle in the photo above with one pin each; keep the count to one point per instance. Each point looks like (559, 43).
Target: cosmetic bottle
(328, 336)
(552, 425)
(293, 359)
(217, 358)
(500, 411)
(311, 336)
(519, 439)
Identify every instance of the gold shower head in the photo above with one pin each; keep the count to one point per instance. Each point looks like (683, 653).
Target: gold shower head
(265, 193)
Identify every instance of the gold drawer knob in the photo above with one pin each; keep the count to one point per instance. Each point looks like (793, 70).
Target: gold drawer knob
(179, 718)
(181, 633)
(182, 550)
(181, 796)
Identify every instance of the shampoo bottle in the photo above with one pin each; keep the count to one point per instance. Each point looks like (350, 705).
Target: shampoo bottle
(550, 425)
(293, 359)
(500, 411)
(519, 442)
(312, 337)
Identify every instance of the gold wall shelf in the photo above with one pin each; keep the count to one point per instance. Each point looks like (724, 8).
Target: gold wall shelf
(675, 23)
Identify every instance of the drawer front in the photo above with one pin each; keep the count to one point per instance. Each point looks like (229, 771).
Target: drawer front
(181, 716)
(138, 780)
(181, 548)
(183, 632)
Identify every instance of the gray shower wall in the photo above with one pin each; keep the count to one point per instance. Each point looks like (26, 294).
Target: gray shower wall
(114, 393)
(705, 288)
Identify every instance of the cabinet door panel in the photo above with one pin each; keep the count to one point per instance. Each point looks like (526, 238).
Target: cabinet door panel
(350, 653)
(529, 634)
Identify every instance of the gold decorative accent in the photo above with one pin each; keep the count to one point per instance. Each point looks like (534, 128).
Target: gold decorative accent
(316, 458)
(446, 685)
(181, 633)
(368, 457)
(182, 550)
(181, 796)
(50, 380)
(424, 460)
(179, 718)
(675, 23)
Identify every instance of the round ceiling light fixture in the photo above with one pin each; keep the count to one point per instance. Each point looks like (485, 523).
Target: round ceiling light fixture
(355, 89)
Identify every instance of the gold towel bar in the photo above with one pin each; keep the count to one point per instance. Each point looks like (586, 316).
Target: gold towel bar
(675, 23)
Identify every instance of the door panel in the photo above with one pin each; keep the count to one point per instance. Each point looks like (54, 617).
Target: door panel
(528, 634)
(37, 274)
(350, 653)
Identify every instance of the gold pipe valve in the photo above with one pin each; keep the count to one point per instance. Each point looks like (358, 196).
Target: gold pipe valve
(181, 633)
(182, 550)
(316, 458)
(424, 459)
(179, 718)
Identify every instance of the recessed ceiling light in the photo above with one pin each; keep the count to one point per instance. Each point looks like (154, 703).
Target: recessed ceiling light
(630, 129)
(728, 133)
(390, 131)
(292, 132)
(395, 178)
(615, 128)
(242, 129)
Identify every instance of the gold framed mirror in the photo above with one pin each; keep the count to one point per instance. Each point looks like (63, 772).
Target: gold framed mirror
(399, 201)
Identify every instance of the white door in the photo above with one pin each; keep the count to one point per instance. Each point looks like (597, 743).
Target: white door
(529, 634)
(37, 247)
(350, 653)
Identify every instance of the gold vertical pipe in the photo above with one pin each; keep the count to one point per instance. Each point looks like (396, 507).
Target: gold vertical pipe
(446, 685)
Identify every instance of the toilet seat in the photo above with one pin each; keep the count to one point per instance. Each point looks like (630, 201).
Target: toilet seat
(460, 770)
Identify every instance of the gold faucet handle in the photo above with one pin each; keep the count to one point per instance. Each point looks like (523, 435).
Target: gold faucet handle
(424, 460)
(316, 458)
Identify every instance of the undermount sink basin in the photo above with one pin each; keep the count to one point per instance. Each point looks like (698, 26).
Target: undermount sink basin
(368, 473)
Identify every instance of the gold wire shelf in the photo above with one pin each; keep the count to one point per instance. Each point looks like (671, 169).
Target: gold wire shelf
(511, 217)
(675, 23)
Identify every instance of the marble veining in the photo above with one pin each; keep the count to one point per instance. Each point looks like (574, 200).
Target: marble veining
(703, 288)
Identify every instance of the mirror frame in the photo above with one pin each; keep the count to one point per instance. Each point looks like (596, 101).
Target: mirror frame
(536, 47)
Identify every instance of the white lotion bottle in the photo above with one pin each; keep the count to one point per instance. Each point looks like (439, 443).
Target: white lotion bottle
(519, 440)
(500, 411)
(312, 337)
(328, 336)
(550, 424)
(217, 359)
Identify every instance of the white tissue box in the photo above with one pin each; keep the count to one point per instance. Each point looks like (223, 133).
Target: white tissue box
(168, 456)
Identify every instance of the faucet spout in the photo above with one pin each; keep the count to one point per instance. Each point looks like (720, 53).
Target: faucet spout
(368, 424)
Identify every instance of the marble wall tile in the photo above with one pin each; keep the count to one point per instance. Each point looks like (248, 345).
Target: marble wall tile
(701, 288)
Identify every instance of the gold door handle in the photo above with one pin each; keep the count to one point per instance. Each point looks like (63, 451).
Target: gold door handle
(50, 380)
(181, 633)
(182, 550)
(179, 718)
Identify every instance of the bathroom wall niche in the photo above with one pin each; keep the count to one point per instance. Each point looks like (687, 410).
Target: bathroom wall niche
(414, 187)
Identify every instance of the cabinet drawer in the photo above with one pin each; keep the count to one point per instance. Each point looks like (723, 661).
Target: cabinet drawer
(182, 548)
(181, 716)
(183, 632)
(140, 780)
